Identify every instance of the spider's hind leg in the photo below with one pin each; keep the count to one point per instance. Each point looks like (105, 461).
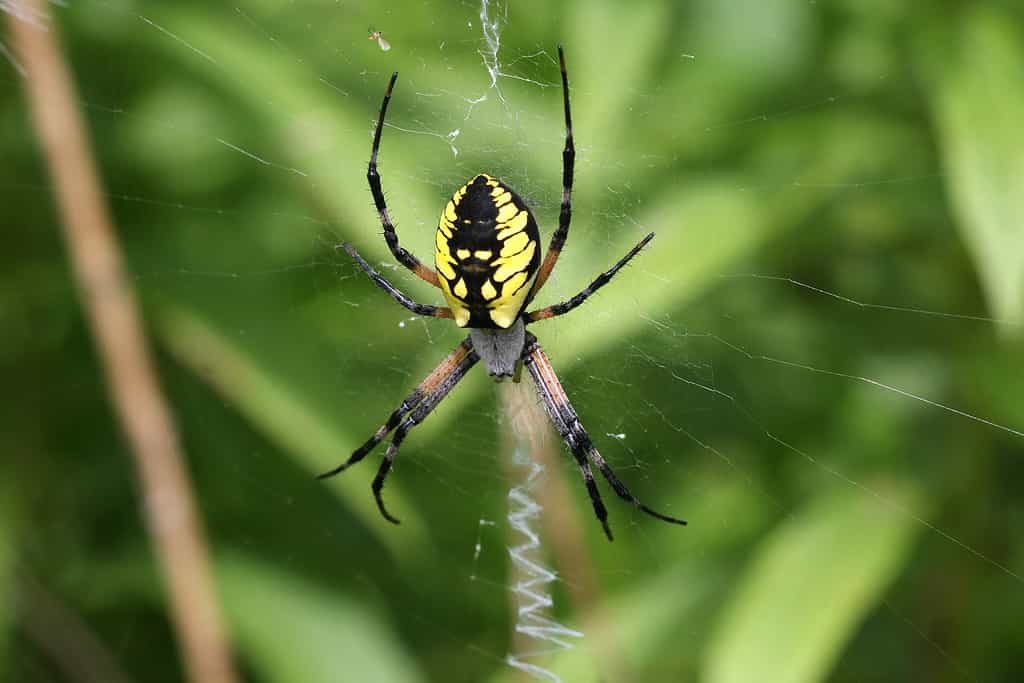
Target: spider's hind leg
(418, 414)
(423, 391)
(567, 422)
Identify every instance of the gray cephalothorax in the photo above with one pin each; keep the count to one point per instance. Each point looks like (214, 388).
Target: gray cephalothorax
(499, 349)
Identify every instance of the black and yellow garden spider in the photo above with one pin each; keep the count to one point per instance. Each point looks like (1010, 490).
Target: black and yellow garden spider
(488, 267)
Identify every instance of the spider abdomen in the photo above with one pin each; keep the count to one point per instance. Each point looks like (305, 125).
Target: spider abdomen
(487, 253)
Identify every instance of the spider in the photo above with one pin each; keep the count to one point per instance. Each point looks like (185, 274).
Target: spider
(488, 264)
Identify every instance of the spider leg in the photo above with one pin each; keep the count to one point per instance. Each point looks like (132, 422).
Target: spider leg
(445, 384)
(547, 394)
(568, 164)
(373, 177)
(599, 282)
(567, 422)
(396, 294)
(425, 388)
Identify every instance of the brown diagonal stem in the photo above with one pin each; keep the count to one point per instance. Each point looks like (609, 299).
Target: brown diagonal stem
(113, 314)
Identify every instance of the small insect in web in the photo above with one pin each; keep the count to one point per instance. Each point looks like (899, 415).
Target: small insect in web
(488, 268)
(383, 44)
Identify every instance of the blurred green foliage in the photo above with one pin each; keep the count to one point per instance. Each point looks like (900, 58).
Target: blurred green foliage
(838, 531)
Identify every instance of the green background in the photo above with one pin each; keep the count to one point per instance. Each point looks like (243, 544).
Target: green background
(838, 530)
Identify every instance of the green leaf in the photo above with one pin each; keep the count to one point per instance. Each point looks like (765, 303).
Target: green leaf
(810, 585)
(290, 630)
(978, 105)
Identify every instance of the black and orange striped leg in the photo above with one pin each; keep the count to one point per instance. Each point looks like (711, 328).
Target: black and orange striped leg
(568, 165)
(599, 282)
(396, 294)
(435, 379)
(548, 393)
(373, 177)
(415, 408)
(567, 422)
(445, 384)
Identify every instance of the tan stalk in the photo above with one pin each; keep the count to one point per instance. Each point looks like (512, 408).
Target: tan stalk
(110, 303)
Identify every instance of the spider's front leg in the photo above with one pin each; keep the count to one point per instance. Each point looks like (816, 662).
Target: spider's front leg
(568, 164)
(567, 422)
(373, 178)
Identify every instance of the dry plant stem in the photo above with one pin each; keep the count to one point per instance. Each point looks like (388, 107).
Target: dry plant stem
(528, 425)
(113, 314)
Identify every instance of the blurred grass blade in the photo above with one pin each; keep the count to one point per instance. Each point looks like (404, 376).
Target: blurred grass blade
(326, 136)
(594, 66)
(809, 587)
(700, 230)
(978, 105)
(285, 418)
(704, 226)
(290, 630)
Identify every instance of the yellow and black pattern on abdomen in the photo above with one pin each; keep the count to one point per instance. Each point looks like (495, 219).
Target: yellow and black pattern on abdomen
(487, 253)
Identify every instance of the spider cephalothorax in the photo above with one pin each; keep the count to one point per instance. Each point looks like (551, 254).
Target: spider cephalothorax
(487, 255)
